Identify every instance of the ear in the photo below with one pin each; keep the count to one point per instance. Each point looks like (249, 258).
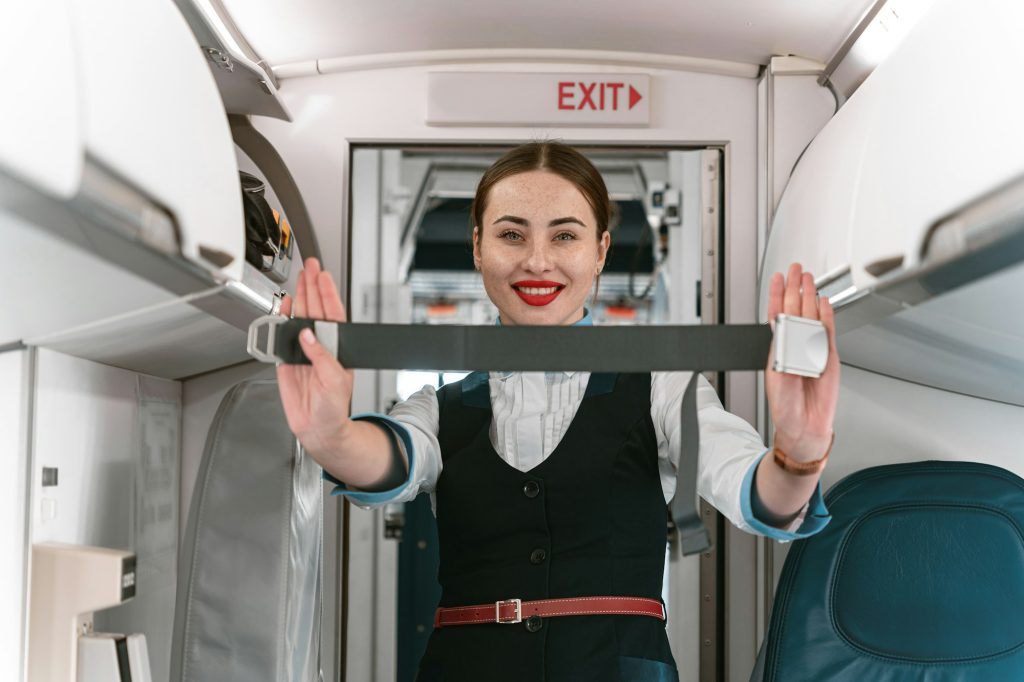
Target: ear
(602, 249)
(476, 247)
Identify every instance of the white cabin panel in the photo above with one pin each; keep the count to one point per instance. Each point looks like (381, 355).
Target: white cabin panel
(40, 133)
(15, 404)
(161, 128)
(115, 438)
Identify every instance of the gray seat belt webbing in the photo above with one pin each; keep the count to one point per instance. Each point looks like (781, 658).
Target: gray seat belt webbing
(712, 348)
(694, 348)
(693, 536)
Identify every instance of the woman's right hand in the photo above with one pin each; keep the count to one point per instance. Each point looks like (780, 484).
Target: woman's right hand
(316, 398)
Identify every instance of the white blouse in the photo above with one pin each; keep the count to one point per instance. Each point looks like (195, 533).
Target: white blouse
(533, 410)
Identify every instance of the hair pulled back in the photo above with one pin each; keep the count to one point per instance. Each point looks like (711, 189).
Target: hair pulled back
(557, 158)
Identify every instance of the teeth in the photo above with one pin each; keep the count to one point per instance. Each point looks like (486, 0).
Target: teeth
(533, 291)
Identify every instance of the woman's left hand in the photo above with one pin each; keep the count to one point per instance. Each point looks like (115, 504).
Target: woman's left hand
(802, 409)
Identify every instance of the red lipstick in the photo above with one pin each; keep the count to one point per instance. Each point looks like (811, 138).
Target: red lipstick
(527, 290)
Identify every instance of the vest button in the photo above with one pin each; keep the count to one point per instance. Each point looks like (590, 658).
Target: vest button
(538, 556)
(534, 623)
(531, 489)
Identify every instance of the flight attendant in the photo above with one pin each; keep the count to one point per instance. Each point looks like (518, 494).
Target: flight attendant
(549, 489)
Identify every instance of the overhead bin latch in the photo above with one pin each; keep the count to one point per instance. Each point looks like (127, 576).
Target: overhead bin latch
(221, 59)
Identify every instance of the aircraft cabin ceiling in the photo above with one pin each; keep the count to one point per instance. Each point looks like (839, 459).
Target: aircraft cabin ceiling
(746, 31)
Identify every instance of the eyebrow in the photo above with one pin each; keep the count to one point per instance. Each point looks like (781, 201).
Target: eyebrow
(554, 223)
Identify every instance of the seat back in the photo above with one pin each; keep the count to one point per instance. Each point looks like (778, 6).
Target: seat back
(919, 576)
(249, 582)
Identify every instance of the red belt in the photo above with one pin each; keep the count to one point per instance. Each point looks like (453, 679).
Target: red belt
(516, 610)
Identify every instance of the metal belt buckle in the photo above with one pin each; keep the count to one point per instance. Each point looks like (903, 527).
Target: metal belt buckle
(518, 603)
(260, 341)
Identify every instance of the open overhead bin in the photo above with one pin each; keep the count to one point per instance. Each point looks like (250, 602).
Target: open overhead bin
(128, 236)
(909, 206)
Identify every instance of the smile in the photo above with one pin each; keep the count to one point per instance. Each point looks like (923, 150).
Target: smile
(537, 293)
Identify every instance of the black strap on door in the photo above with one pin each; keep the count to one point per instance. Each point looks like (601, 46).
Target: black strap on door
(695, 348)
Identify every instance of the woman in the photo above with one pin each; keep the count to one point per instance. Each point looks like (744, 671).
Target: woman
(550, 488)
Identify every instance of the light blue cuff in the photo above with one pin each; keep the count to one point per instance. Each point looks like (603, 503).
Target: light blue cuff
(817, 516)
(382, 496)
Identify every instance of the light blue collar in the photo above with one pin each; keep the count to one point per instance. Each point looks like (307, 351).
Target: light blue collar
(586, 321)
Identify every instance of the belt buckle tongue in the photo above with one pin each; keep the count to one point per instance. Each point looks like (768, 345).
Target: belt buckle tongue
(517, 618)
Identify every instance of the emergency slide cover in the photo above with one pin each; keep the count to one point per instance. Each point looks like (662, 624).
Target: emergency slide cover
(249, 584)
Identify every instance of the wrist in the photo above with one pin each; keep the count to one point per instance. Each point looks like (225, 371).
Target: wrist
(327, 446)
(804, 448)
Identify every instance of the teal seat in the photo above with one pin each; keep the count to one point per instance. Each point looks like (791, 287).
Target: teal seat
(919, 576)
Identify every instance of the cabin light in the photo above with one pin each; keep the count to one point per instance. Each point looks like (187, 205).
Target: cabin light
(887, 30)
(216, 22)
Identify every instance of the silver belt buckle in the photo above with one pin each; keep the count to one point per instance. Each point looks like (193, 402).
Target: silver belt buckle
(517, 603)
(259, 342)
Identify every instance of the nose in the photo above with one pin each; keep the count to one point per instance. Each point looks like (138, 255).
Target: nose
(538, 258)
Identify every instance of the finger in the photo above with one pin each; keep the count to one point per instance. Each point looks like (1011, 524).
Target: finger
(314, 306)
(326, 367)
(334, 309)
(791, 300)
(775, 290)
(300, 296)
(286, 306)
(828, 319)
(810, 297)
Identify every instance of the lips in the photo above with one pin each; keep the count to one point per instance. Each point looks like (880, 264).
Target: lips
(537, 292)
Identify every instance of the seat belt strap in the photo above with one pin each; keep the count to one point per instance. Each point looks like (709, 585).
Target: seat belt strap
(719, 348)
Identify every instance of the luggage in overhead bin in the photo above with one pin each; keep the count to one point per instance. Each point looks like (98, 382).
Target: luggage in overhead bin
(249, 580)
(268, 237)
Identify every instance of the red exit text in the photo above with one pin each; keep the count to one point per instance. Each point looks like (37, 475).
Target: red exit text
(576, 96)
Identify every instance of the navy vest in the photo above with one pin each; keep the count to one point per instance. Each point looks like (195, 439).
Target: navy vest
(589, 520)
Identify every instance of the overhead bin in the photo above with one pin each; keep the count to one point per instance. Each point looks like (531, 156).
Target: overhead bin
(930, 130)
(141, 145)
(160, 127)
(909, 208)
(134, 255)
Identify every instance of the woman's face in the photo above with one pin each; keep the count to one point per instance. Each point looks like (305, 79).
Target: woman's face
(538, 249)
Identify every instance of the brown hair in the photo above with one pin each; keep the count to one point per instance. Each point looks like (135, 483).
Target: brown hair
(557, 158)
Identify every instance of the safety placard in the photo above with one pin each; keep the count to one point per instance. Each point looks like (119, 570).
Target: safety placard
(538, 99)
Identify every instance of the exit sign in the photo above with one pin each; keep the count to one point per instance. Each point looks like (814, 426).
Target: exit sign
(538, 99)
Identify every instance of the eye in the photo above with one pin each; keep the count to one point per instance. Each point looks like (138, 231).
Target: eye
(510, 235)
(565, 236)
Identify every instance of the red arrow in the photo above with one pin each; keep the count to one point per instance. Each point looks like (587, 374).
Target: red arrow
(634, 97)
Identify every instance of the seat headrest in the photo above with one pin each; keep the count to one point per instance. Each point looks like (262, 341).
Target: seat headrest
(921, 568)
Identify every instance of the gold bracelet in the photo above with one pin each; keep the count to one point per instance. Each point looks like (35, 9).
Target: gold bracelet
(802, 468)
